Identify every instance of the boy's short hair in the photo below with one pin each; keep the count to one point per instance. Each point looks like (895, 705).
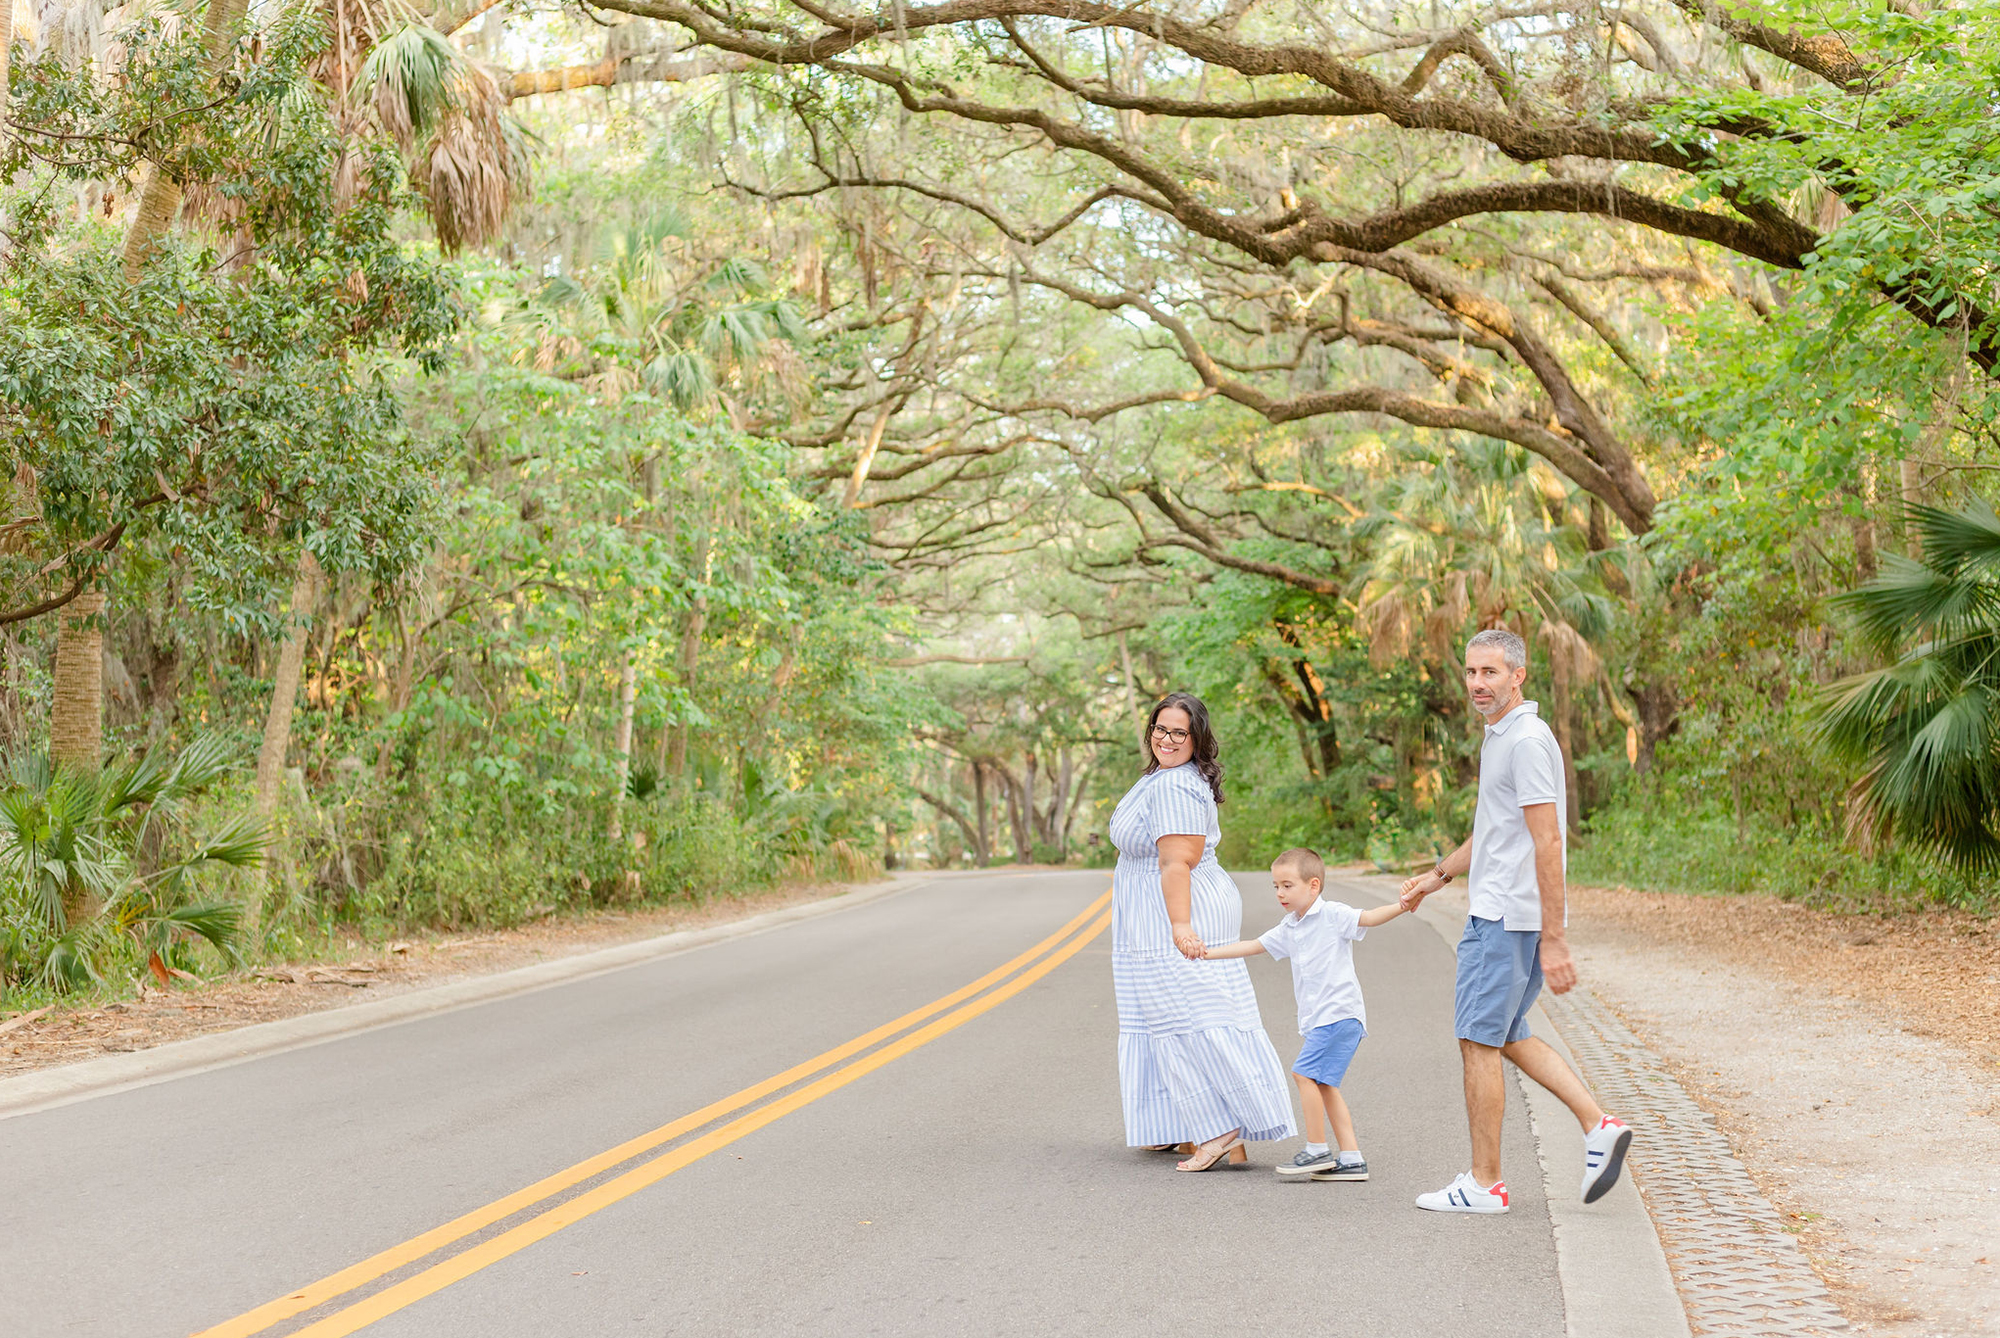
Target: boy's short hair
(1305, 863)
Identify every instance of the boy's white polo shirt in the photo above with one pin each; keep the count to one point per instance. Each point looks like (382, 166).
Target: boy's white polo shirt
(1321, 946)
(1519, 764)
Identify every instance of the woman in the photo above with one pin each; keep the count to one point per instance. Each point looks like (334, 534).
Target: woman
(1194, 1063)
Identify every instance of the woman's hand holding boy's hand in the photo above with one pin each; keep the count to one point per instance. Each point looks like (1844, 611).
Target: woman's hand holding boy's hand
(1189, 943)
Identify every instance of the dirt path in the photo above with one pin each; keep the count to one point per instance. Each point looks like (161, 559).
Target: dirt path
(1853, 1062)
(64, 1035)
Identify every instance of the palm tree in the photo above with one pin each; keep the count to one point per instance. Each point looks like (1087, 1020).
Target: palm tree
(1926, 729)
(448, 113)
(88, 850)
(1484, 537)
(650, 317)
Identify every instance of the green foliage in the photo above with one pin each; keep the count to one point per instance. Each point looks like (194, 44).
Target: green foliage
(226, 422)
(99, 870)
(1676, 838)
(1925, 730)
(1915, 160)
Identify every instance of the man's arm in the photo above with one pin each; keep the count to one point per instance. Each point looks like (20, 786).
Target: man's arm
(1457, 864)
(1557, 967)
(1248, 947)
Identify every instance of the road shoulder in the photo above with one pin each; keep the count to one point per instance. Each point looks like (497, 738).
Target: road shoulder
(1851, 1063)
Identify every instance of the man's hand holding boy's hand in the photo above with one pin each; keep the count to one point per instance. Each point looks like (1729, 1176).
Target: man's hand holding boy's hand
(1417, 888)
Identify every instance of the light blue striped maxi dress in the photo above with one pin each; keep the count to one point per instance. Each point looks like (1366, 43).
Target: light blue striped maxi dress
(1193, 1059)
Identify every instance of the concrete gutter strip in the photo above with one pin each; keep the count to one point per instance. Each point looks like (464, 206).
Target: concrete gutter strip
(1613, 1270)
(63, 1084)
(1615, 1279)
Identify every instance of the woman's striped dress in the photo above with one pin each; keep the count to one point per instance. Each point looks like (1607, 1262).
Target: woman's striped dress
(1193, 1059)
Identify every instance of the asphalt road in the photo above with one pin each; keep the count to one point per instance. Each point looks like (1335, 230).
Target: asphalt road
(976, 1183)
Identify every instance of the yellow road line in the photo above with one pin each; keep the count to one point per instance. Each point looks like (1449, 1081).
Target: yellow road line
(463, 1265)
(396, 1256)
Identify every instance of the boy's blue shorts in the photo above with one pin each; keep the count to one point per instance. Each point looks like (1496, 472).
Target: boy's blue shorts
(1329, 1050)
(1499, 976)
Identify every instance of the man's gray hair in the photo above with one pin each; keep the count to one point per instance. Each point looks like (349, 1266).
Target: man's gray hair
(1511, 647)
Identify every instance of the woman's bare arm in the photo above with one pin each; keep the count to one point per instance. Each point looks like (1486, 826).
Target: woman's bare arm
(1178, 856)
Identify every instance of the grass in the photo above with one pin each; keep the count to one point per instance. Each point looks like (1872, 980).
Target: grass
(1653, 846)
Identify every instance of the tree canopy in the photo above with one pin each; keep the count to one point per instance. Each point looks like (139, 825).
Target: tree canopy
(672, 445)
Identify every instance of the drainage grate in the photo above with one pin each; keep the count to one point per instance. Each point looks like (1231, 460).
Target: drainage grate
(1739, 1273)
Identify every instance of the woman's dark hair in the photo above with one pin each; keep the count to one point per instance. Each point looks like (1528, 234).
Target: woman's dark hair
(1199, 734)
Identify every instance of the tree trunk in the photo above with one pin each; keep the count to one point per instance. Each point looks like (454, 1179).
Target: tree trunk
(628, 699)
(1028, 803)
(1077, 789)
(1131, 684)
(1659, 716)
(866, 459)
(285, 687)
(76, 698)
(278, 722)
(1024, 852)
(984, 855)
(690, 658)
(6, 51)
(950, 810)
(1058, 835)
(160, 198)
(1913, 493)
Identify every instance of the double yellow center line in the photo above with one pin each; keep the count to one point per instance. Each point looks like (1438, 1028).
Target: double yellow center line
(1003, 982)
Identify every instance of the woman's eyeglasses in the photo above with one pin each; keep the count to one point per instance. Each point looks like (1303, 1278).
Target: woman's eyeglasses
(1177, 737)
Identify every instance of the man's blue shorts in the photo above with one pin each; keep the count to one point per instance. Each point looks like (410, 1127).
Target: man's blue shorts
(1329, 1050)
(1499, 975)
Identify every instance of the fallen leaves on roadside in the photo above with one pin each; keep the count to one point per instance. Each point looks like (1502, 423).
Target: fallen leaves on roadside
(23, 1019)
(321, 975)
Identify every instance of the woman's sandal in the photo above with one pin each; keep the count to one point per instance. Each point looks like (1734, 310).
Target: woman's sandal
(1208, 1154)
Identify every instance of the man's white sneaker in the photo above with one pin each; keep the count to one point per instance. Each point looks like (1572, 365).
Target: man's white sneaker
(1604, 1150)
(1464, 1195)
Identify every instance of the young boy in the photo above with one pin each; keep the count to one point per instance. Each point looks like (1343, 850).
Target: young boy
(1319, 937)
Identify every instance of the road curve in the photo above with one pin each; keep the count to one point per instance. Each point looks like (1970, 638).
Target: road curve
(961, 1171)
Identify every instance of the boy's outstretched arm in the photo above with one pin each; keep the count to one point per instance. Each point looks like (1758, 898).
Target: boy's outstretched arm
(1455, 865)
(1380, 915)
(1248, 947)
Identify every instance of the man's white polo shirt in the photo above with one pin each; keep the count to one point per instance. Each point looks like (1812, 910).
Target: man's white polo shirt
(1321, 946)
(1519, 764)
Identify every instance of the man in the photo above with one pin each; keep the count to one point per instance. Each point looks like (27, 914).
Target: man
(1516, 934)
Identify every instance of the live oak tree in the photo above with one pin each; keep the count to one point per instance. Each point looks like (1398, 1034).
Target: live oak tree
(1410, 214)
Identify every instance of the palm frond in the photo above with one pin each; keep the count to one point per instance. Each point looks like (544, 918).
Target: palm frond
(1927, 727)
(71, 964)
(1911, 599)
(31, 771)
(239, 843)
(409, 76)
(137, 782)
(1965, 541)
(737, 274)
(683, 377)
(201, 764)
(220, 922)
